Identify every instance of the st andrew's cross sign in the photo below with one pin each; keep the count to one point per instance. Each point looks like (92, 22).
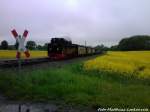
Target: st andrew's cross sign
(21, 40)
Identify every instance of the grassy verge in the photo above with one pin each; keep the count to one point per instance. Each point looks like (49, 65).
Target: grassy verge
(71, 84)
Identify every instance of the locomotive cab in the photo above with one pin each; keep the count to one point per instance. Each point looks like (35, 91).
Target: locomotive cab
(56, 48)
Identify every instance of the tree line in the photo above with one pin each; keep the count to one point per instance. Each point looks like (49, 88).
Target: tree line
(31, 45)
(133, 43)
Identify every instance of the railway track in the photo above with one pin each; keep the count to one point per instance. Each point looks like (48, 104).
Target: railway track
(14, 62)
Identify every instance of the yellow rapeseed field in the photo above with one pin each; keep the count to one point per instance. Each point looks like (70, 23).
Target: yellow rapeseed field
(126, 63)
(11, 54)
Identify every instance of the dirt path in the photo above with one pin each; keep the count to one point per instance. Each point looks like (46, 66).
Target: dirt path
(40, 107)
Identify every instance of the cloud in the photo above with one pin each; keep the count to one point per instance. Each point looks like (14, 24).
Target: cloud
(94, 21)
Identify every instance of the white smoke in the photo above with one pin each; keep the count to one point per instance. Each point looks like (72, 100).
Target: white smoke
(66, 38)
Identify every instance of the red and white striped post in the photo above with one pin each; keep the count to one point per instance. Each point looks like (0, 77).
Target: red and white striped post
(21, 48)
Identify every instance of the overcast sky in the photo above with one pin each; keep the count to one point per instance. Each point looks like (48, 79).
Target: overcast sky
(96, 21)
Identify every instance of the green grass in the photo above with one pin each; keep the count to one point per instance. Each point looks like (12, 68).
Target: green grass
(72, 85)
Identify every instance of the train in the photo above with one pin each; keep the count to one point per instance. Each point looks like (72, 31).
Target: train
(61, 48)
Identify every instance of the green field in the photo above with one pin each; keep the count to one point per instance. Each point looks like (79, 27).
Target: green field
(11, 54)
(73, 84)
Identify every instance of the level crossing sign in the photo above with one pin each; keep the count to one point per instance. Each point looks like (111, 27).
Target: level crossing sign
(21, 41)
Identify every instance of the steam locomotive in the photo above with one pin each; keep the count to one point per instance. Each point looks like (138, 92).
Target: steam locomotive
(61, 48)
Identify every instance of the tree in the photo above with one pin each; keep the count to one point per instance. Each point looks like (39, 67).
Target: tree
(45, 46)
(31, 45)
(16, 45)
(100, 48)
(39, 47)
(4, 44)
(114, 48)
(139, 42)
